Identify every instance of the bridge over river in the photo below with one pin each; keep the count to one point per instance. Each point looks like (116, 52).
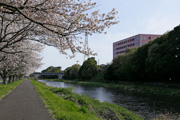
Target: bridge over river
(60, 75)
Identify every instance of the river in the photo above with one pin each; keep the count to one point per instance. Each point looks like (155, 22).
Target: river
(148, 107)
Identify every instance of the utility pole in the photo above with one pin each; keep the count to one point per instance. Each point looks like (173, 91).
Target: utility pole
(86, 47)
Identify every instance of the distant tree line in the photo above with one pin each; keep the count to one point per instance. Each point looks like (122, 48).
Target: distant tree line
(89, 70)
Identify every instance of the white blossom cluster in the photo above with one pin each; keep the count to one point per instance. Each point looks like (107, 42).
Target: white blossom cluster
(56, 23)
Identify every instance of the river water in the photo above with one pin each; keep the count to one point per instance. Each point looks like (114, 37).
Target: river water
(148, 107)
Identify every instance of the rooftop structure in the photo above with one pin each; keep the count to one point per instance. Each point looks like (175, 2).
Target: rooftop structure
(120, 47)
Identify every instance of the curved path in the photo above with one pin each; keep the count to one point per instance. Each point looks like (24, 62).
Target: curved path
(23, 103)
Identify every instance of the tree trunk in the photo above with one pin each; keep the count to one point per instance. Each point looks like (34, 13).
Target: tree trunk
(10, 79)
(16, 78)
(4, 80)
(13, 78)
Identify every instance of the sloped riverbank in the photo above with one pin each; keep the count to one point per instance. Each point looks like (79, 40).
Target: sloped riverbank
(64, 104)
(150, 101)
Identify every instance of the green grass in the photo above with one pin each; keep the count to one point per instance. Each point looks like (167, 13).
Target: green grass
(5, 89)
(63, 104)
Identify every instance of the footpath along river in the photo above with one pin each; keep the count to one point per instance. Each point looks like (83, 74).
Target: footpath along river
(148, 107)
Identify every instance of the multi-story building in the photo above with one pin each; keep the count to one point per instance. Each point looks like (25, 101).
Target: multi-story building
(134, 41)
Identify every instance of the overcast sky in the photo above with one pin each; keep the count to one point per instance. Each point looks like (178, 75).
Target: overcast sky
(135, 16)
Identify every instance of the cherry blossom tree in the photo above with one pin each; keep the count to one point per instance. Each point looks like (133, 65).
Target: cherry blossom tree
(20, 64)
(57, 23)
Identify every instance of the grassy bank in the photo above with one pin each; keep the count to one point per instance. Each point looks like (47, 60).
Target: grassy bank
(66, 105)
(139, 88)
(5, 89)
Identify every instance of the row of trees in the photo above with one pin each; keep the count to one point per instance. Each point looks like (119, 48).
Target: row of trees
(15, 65)
(87, 71)
(158, 60)
(57, 23)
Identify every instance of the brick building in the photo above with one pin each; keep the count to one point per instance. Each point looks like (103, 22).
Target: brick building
(134, 41)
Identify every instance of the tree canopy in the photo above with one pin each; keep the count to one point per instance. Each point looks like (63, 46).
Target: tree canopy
(88, 69)
(72, 72)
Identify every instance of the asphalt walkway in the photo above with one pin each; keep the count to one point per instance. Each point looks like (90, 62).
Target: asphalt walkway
(23, 103)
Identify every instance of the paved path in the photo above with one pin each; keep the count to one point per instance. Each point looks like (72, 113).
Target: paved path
(23, 104)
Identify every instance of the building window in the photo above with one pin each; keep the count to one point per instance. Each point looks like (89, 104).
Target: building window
(149, 38)
(144, 38)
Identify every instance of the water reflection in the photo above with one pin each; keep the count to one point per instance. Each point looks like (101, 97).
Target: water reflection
(99, 93)
(148, 107)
